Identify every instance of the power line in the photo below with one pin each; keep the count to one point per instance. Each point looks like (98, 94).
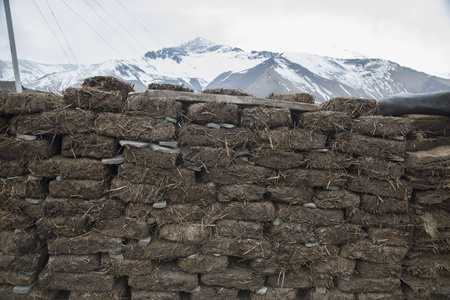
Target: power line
(118, 23)
(54, 34)
(87, 24)
(113, 29)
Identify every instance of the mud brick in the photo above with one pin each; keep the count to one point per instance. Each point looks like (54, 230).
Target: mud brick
(23, 187)
(266, 117)
(294, 139)
(89, 145)
(137, 128)
(213, 112)
(134, 192)
(367, 285)
(366, 250)
(379, 168)
(169, 178)
(11, 168)
(336, 199)
(433, 159)
(159, 250)
(252, 211)
(126, 267)
(382, 126)
(56, 122)
(149, 158)
(197, 135)
(276, 293)
(74, 188)
(154, 295)
(300, 280)
(77, 281)
(17, 278)
(239, 229)
(156, 108)
(73, 263)
(326, 121)
(18, 150)
(178, 213)
(240, 174)
(19, 242)
(389, 236)
(245, 248)
(23, 263)
(335, 266)
(94, 99)
(185, 233)
(378, 270)
(383, 205)
(310, 216)
(215, 292)
(292, 232)
(123, 227)
(339, 234)
(314, 178)
(277, 159)
(370, 146)
(85, 244)
(167, 278)
(234, 277)
(69, 226)
(398, 189)
(241, 192)
(199, 263)
(198, 157)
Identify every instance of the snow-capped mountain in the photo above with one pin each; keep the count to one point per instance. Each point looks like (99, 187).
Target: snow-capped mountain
(201, 64)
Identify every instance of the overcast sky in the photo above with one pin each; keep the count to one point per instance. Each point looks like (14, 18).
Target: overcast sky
(413, 33)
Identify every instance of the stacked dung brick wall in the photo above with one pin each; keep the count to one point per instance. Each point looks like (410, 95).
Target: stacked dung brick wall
(111, 195)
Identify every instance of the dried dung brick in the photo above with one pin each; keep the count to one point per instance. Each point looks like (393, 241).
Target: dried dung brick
(199, 263)
(438, 125)
(354, 107)
(37, 293)
(73, 263)
(80, 168)
(382, 126)
(276, 293)
(357, 216)
(12, 149)
(169, 87)
(72, 188)
(134, 192)
(266, 117)
(383, 205)
(85, 244)
(370, 146)
(339, 234)
(4, 124)
(240, 174)
(330, 160)
(213, 112)
(394, 295)
(428, 266)
(123, 227)
(10, 220)
(366, 250)
(160, 177)
(77, 281)
(185, 233)
(23, 187)
(365, 285)
(335, 199)
(332, 295)
(11, 168)
(389, 236)
(17, 278)
(244, 248)
(19, 242)
(137, 128)
(378, 168)
(222, 91)
(154, 295)
(314, 178)
(425, 288)
(197, 135)
(200, 193)
(159, 250)
(253, 211)
(290, 194)
(419, 142)
(206, 157)
(326, 121)
(292, 232)
(310, 216)
(169, 279)
(335, 266)
(94, 99)
(56, 122)
(277, 159)
(23, 263)
(241, 192)
(428, 179)
(178, 213)
(149, 158)
(295, 97)
(28, 102)
(295, 255)
(378, 270)
(126, 267)
(239, 229)
(431, 197)
(433, 159)
(21, 207)
(108, 83)
(215, 292)
(293, 139)
(265, 267)
(290, 280)
(139, 211)
(234, 277)
(397, 189)
(89, 145)
(69, 226)
(118, 292)
(153, 107)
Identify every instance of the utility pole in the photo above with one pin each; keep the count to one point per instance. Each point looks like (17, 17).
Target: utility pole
(12, 45)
